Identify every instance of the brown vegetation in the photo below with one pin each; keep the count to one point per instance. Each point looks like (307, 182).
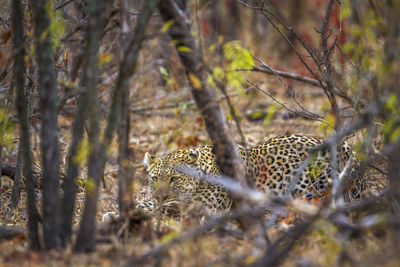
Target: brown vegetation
(169, 74)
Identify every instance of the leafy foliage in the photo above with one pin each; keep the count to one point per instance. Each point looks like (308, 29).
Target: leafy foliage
(238, 58)
(82, 152)
(166, 26)
(163, 119)
(6, 129)
(239, 61)
(57, 26)
(391, 126)
(272, 109)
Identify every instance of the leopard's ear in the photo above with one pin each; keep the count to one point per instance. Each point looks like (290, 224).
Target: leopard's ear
(148, 160)
(194, 155)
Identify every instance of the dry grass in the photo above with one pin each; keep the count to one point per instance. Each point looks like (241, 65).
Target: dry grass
(159, 131)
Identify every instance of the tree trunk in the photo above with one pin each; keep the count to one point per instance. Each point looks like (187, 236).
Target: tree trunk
(49, 132)
(228, 158)
(96, 23)
(125, 158)
(17, 185)
(125, 155)
(70, 186)
(87, 106)
(85, 239)
(25, 146)
(390, 86)
(10, 232)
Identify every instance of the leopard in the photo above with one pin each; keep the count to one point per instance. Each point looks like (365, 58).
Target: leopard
(274, 166)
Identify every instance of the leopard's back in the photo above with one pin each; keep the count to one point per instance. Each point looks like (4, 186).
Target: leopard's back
(275, 165)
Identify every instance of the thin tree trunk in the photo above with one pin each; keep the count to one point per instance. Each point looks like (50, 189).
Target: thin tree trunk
(87, 98)
(49, 131)
(70, 186)
(391, 84)
(85, 239)
(228, 158)
(96, 23)
(126, 169)
(1, 171)
(17, 185)
(19, 82)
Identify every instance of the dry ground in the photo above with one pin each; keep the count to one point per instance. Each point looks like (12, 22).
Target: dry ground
(160, 130)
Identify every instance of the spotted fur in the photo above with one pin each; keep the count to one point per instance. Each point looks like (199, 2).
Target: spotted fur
(272, 166)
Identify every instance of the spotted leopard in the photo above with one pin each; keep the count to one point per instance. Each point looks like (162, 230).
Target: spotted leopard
(271, 165)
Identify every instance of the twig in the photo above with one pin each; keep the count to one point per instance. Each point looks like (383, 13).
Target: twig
(175, 105)
(306, 46)
(363, 120)
(283, 245)
(233, 186)
(305, 115)
(347, 58)
(291, 92)
(277, 251)
(378, 169)
(222, 88)
(159, 250)
(64, 4)
(328, 68)
(10, 232)
(298, 77)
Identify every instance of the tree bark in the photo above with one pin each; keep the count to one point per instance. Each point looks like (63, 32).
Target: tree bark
(85, 240)
(87, 106)
(9, 232)
(96, 23)
(49, 132)
(228, 158)
(25, 146)
(17, 185)
(391, 85)
(125, 155)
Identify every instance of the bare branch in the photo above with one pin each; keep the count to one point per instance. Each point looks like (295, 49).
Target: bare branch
(327, 64)
(300, 78)
(291, 92)
(265, 11)
(305, 115)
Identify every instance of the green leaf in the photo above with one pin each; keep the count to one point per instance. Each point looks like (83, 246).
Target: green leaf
(270, 113)
(82, 152)
(212, 48)
(57, 26)
(6, 129)
(391, 104)
(168, 237)
(67, 83)
(104, 58)
(195, 81)
(239, 58)
(395, 135)
(257, 115)
(346, 9)
(184, 49)
(166, 26)
(90, 185)
(348, 47)
(210, 81)
(327, 126)
(164, 71)
(218, 74)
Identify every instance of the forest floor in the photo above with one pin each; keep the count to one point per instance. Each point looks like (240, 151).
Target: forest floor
(159, 130)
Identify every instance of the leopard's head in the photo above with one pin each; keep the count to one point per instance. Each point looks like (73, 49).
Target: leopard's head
(166, 182)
